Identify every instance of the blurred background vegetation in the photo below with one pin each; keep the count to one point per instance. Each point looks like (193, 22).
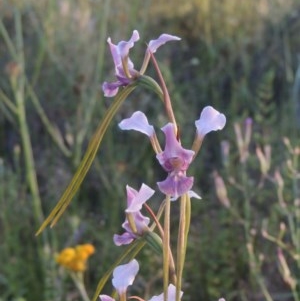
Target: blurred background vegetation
(242, 57)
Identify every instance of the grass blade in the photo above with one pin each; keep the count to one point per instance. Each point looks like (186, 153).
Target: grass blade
(87, 160)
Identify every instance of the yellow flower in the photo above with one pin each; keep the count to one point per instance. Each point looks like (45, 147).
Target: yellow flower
(66, 256)
(75, 258)
(84, 251)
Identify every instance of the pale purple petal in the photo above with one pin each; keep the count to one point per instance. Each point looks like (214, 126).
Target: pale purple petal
(176, 186)
(141, 222)
(137, 122)
(171, 294)
(106, 298)
(173, 150)
(164, 38)
(131, 194)
(111, 89)
(124, 47)
(114, 53)
(193, 194)
(124, 275)
(210, 120)
(124, 239)
(138, 200)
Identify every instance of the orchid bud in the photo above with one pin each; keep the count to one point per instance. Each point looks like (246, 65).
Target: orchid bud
(221, 190)
(225, 150)
(264, 158)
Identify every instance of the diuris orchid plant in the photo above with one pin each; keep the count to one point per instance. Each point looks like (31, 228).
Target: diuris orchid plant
(173, 158)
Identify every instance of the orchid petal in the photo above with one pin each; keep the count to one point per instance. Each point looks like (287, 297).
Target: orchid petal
(124, 47)
(137, 122)
(111, 89)
(141, 222)
(171, 294)
(106, 298)
(164, 38)
(176, 186)
(173, 149)
(210, 120)
(124, 275)
(124, 239)
(140, 198)
(193, 194)
(121, 50)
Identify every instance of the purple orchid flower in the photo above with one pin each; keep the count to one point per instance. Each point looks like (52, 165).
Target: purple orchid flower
(124, 68)
(135, 201)
(120, 54)
(123, 276)
(171, 294)
(175, 160)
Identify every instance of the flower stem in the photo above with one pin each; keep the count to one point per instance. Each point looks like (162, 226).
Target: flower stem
(167, 100)
(172, 271)
(166, 247)
(78, 280)
(182, 240)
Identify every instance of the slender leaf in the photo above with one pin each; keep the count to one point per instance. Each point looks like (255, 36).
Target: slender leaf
(87, 160)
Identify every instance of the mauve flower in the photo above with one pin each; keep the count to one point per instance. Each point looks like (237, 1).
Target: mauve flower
(135, 201)
(175, 160)
(124, 275)
(124, 67)
(120, 54)
(171, 294)
(210, 120)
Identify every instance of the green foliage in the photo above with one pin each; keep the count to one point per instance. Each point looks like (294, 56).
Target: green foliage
(20, 272)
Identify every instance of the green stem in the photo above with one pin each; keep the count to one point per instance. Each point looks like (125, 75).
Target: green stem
(18, 86)
(166, 247)
(78, 280)
(167, 100)
(182, 240)
(255, 269)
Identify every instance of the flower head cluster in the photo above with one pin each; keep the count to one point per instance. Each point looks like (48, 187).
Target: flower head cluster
(75, 259)
(174, 159)
(124, 67)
